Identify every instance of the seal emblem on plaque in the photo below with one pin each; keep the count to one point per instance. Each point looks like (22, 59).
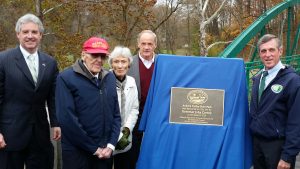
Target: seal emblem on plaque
(197, 97)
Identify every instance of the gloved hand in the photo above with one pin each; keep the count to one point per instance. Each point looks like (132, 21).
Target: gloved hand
(123, 142)
(126, 132)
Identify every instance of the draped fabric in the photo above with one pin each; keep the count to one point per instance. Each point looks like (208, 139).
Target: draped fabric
(187, 146)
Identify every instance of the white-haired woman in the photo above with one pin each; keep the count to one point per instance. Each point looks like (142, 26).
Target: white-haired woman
(120, 60)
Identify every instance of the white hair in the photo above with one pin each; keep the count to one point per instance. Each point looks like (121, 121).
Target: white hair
(29, 18)
(120, 51)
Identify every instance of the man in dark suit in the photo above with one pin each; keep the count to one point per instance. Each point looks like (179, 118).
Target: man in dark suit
(141, 69)
(27, 85)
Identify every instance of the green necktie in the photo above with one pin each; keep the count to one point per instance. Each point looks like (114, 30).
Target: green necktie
(262, 84)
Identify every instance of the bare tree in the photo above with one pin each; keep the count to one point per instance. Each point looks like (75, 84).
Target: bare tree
(204, 20)
(166, 24)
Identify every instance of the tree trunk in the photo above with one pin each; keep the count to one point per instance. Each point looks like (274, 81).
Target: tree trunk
(248, 7)
(188, 31)
(202, 43)
(38, 9)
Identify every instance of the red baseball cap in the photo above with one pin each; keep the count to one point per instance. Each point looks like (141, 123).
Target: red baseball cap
(96, 45)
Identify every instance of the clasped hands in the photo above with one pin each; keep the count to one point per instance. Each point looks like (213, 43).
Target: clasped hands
(102, 153)
(123, 142)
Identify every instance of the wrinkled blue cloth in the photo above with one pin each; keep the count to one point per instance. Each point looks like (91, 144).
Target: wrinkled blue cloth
(187, 146)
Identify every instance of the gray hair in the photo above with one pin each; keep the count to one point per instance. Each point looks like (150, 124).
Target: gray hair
(266, 38)
(29, 18)
(120, 51)
(149, 32)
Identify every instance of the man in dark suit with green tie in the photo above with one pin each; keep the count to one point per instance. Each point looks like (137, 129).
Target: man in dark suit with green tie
(27, 85)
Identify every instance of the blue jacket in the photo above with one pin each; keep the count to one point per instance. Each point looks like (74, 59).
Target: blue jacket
(89, 115)
(277, 114)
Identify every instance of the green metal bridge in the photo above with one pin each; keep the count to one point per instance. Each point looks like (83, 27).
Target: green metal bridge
(257, 29)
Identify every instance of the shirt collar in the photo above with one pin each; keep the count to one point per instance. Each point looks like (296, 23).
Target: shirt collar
(144, 60)
(26, 53)
(276, 68)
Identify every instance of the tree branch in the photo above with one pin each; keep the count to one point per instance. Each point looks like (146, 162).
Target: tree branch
(204, 7)
(169, 15)
(209, 20)
(217, 43)
(51, 9)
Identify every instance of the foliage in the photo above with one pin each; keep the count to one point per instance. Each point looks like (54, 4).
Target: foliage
(69, 23)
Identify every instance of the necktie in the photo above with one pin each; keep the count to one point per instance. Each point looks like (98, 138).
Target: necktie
(33, 68)
(262, 84)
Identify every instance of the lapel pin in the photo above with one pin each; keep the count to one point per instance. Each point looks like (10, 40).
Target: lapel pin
(44, 64)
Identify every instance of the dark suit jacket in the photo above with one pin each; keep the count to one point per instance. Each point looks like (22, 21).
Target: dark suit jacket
(134, 71)
(22, 104)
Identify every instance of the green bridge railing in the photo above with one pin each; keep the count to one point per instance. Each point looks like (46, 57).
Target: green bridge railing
(257, 29)
(253, 68)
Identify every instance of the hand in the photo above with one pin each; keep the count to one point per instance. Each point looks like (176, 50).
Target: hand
(98, 153)
(122, 143)
(126, 132)
(283, 165)
(56, 133)
(106, 152)
(2, 141)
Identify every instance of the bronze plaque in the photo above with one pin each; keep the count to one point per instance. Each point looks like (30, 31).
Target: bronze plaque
(197, 106)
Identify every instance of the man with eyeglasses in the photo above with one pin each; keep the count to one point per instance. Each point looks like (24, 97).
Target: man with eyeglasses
(87, 109)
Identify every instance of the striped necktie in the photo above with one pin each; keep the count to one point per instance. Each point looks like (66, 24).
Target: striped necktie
(32, 67)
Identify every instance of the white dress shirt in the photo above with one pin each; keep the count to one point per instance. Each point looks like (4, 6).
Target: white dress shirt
(273, 72)
(147, 63)
(26, 54)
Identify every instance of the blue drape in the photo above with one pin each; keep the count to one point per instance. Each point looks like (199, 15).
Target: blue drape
(187, 146)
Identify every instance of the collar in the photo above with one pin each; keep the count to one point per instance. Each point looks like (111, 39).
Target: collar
(276, 68)
(144, 60)
(96, 76)
(79, 67)
(121, 80)
(121, 84)
(25, 53)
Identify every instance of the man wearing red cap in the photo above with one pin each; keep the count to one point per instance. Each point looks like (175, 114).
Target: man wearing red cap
(87, 109)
